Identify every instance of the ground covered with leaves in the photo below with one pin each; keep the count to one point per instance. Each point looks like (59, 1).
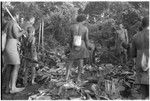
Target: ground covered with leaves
(102, 80)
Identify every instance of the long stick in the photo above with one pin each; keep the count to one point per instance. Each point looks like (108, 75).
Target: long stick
(39, 37)
(13, 18)
(42, 34)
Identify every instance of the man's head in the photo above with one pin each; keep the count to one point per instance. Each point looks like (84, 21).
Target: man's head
(15, 14)
(121, 26)
(31, 19)
(145, 22)
(81, 18)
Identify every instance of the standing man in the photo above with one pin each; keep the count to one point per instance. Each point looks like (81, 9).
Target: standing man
(122, 41)
(5, 70)
(79, 42)
(11, 55)
(28, 26)
(140, 51)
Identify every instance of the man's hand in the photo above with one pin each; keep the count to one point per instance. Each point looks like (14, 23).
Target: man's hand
(125, 45)
(91, 46)
(24, 33)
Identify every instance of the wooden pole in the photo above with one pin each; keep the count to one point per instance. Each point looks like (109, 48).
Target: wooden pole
(42, 34)
(39, 37)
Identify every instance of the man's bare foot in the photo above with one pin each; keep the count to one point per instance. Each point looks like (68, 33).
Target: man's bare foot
(16, 90)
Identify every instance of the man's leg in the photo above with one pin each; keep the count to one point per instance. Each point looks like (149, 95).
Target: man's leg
(34, 73)
(125, 56)
(144, 91)
(14, 76)
(3, 78)
(90, 58)
(92, 53)
(25, 79)
(69, 65)
(7, 77)
(80, 70)
(34, 65)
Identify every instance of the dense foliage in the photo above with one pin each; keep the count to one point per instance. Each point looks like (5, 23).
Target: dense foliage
(103, 18)
(59, 15)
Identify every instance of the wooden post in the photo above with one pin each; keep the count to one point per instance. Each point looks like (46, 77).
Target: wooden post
(39, 37)
(42, 34)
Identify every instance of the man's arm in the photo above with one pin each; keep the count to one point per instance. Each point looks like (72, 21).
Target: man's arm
(133, 49)
(87, 38)
(71, 38)
(16, 31)
(125, 43)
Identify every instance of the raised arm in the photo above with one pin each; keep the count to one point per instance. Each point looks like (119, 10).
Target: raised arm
(16, 31)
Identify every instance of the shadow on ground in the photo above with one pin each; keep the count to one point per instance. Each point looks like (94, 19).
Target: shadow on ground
(24, 95)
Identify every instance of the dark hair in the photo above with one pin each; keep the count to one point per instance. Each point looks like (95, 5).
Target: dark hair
(29, 17)
(145, 22)
(6, 14)
(140, 28)
(81, 18)
(13, 12)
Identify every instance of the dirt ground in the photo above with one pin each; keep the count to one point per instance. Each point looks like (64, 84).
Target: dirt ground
(24, 95)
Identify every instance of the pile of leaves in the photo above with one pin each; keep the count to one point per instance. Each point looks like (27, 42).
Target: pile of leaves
(103, 81)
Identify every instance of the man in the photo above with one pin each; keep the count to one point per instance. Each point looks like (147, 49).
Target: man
(79, 42)
(123, 34)
(140, 51)
(11, 55)
(91, 59)
(5, 21)
(122, 41)
(30, 42)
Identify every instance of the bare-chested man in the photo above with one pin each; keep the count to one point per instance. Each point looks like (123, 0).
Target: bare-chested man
(11, 55)
(28, 26)
(122, 40)
(78, 45)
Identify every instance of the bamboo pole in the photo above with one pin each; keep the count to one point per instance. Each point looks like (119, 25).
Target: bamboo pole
(39, 37)
(42, 34)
